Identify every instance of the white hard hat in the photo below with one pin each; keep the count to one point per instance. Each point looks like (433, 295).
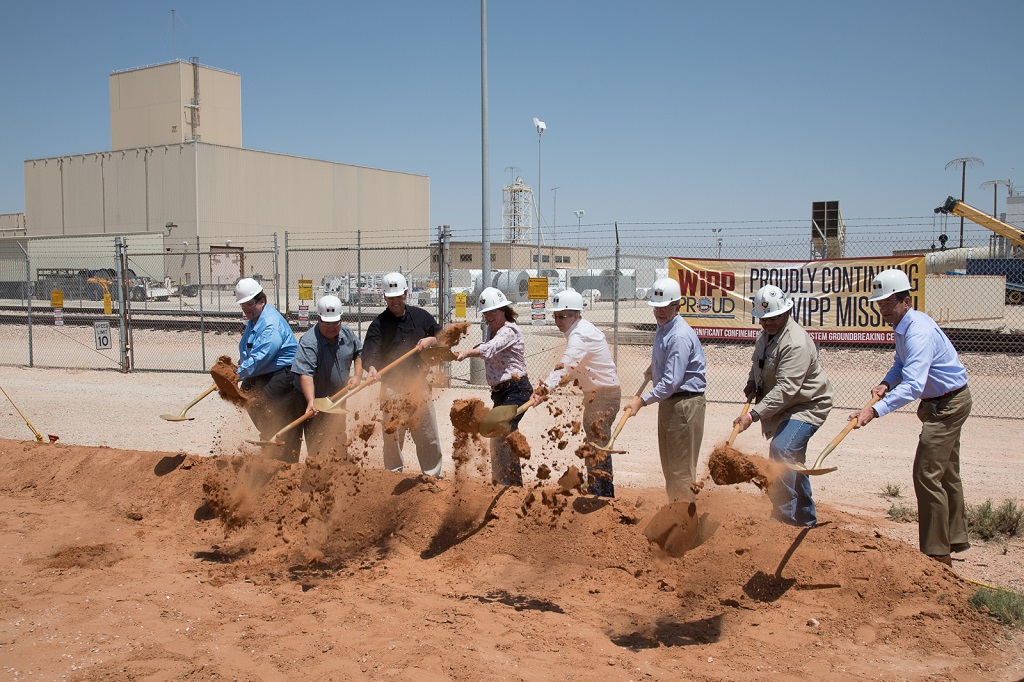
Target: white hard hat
(329, 309)
(888, 282)
(665, 291)
(491, 299)
(246, 289)
(394, 284)
(567, 299)
(771, 301)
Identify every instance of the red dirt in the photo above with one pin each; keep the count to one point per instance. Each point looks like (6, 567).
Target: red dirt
(225, 376)
(129, 565)
(453, 334)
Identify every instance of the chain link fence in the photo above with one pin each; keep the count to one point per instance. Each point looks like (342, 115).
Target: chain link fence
(171, 308)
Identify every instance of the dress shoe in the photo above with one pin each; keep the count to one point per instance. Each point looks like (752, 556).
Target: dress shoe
(958, 547)
(944, 559)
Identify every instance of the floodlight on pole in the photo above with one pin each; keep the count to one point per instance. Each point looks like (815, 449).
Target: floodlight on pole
(579, 213)
(994, 184)
(963, 162)
(541, 127)
(717, 231)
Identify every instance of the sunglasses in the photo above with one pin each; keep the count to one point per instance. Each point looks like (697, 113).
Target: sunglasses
(562, 316)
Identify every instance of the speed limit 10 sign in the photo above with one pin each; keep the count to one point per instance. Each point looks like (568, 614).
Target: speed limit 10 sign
(101, 330)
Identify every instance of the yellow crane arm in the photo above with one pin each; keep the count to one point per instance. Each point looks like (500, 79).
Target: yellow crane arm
(959, 208)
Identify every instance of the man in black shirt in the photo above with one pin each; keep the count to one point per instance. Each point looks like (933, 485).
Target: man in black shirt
(405, 393)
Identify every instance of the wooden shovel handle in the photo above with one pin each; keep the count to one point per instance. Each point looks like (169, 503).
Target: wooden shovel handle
(850, 425)
(736, 429)
(205, 393)
(289, 427)
(626, 414)
(348, 393)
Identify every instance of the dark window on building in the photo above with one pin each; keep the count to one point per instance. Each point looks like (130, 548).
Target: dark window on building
(465, 258)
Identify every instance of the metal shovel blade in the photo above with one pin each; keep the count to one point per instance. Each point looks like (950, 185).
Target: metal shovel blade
(801, 469)
(437, 355)
(326, 405)
(496, 423)
(264, 442)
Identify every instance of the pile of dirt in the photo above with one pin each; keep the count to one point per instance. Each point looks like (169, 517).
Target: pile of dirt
(117, 565)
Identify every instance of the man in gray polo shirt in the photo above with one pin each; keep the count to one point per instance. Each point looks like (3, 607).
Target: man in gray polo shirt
(321, 368)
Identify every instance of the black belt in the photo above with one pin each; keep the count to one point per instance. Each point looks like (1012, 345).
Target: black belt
(508, 383)
(685, 394)
(944, 395)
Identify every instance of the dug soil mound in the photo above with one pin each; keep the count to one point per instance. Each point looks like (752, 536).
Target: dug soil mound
(127, 565)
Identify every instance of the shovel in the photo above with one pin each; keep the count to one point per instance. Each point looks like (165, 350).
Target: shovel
(180, 417)
(736, 429)
(39, 436)
(817, 469)
(437, 355)
(332, 404)
(626, 414)
(496, 423)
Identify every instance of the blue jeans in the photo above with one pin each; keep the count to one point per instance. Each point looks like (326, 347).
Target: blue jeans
(505, 468)
(790, 493)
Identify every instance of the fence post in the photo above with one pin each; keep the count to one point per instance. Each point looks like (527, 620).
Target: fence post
(277, 283)
(202, 314)
(122, 317)
(615, 289)
(28, 296)
(287, 277)
(359, 276)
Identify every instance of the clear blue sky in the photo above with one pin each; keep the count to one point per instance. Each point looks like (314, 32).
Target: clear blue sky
(657, 112)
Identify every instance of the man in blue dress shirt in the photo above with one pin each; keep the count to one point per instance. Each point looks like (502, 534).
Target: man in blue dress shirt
(677, 369)
(265, 353)
(926, 366)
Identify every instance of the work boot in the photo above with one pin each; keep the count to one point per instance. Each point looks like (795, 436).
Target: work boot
(958, 547)
(944, 559)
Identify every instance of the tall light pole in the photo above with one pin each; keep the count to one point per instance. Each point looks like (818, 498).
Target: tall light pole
(964, 162)
(579, 228)
(994, 184)
(554, 223)
(718, 231)
(541, 127)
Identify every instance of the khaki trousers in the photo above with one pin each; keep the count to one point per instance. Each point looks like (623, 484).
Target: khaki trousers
(680, 432)
(940, 493)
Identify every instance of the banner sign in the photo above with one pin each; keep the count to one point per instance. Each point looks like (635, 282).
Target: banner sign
(830, 297)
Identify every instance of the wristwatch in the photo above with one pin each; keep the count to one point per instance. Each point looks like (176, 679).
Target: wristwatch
(754, 416)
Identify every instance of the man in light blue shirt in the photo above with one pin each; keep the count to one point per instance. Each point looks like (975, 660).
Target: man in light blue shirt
(678, 371)
(926, 367)
(265, 355)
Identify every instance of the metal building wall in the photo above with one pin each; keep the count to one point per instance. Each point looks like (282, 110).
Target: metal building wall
(150, 106)
(244, 195)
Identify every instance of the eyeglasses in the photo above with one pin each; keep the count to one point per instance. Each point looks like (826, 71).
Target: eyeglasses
(562, 316)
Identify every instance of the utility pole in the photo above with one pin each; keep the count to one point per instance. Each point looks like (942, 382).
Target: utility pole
(963, 162)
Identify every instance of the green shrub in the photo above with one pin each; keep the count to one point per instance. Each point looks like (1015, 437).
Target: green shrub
(891, 490)
(986, 521)
(902, 512)
(1005, 606)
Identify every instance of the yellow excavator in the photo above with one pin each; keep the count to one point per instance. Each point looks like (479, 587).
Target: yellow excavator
(959, 208)
(1010, 268)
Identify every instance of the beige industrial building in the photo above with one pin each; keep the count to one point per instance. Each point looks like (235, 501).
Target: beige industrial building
(177, 168)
